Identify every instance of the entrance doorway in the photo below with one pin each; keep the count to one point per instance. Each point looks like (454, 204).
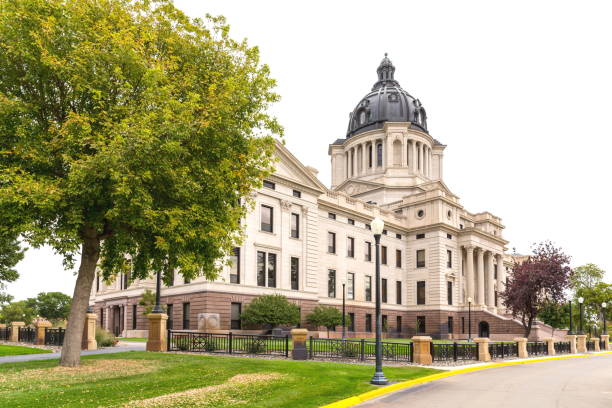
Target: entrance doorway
(483, 329)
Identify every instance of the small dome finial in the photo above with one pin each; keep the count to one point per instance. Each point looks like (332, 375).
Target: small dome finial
(386, 54)
(385, 69)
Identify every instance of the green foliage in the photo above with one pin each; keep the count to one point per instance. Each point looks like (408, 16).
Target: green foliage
(148, 301)
(327, 317)
(5, 298)
(273, 310)
(10, 254)
(53, 306)
(6, 350)
(555, 315)
(586, 276)
(20, 311)
(104, 338)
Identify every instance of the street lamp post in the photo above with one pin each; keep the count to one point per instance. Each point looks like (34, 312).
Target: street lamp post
(158, 308)
(604, 329)
(580, 327)
(343, 309)
(571, 319)
(469, 318)
(379, 377)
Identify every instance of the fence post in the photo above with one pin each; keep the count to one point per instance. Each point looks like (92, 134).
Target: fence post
(88, 341)
(230, 346)
(550, 342)
(286, 345)
(606, 342)
(422, 350)
(298, 340)
(483, 348)
(455, 351)
(15, 326)
(362, 351)
(596, 344)
(310, 347)
(157, 340)
(581, 343)
(41, 326)
(572, 341)
(521, 344)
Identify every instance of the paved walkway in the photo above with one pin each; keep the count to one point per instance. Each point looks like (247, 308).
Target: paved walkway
(576, 383)
(121, 347)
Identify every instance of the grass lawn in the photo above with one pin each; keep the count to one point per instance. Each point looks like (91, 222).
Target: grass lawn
(131, 338)
(6, 350)
(126, 379)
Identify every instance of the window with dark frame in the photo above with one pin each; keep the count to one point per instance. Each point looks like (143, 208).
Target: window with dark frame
(379, 154)
(495, 271)
(368, 251)
(398, 236)
(450, 325)
(350, 221)
(295, 225)
(266, 268)
(351, 325)
(267, 218)
(398, 292)
(170, 322)
(420, 258)
(331, 283)
(368, 288)
(383, 290)
(385, 323)
(235, 266)
(297, 194)
(462, 325)
(350, 247)
(350, 285)
(496, 303)
(398, 258)
(420, 292)
(271, 270)
(449, 292)
(269, 184)
(295, 273)
(134, 316)
(331, 216)
(420, 236)
(368, 322)
(368, 227)
(449, 236)
(236, 311)
(398, 323)
(186, 309)
(421, 325)
(331, 242)
(383, 255)
(385, 232)
(449, 258)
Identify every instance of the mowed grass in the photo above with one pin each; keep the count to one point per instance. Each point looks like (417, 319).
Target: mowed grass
(6, 350)
(132, 379)
(131, 339)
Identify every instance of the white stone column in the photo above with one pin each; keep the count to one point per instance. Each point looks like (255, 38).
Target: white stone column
(490, 282)
(469, 271)
(480, 277)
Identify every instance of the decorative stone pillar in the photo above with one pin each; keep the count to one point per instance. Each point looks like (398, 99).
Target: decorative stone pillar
(596, 343)
(41, 327)
(521, 342)
(421, 346)
(581, 343)
(606, 340)
(490, 282)
(88, 341)
(481, 278)
(298, 338)
(158, 334)
(15, 330)
(550, 342)
(470, 271)
(483, 348)
(572, 340)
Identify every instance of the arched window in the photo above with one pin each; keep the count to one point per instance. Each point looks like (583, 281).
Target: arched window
(362, 117)
(379, 154)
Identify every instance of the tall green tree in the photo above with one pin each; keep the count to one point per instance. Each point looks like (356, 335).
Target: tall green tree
(11, 253)
(19, 311)
(586, 276)
(53, 306)
(326, 316)
(555, 315)
(128, 128)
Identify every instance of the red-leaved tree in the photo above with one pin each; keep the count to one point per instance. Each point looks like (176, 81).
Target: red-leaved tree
(540, 280)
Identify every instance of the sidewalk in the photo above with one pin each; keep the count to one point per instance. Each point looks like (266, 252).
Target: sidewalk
(121, 347)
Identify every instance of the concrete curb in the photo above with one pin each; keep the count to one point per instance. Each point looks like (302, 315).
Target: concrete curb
(357, 399)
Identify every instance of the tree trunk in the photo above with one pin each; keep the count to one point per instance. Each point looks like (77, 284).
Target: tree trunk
(528, 327)
(90, 253)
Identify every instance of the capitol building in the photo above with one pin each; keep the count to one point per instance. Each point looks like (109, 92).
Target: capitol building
(306, 241)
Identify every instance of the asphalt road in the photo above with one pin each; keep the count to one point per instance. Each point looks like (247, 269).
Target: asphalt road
(576, 383)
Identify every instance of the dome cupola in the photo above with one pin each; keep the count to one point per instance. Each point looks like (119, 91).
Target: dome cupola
(387, 102)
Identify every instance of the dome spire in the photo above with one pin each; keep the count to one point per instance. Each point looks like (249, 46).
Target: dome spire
(385, 72)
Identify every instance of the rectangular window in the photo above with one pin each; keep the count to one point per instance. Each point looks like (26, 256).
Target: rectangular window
(368, 288)
(186, 280)
(398, 323)
(420, 258)
(449, 258)
(384, 232)
(398, 292)
(267, 218)
(351, 322)
(271, 270)
(269, 184)
(449, 292)
(331, 216)
(383, 290)
(186, 308)
(420, 236)
(134, 316)
(496, 304)
(331, 283)
(351, 221)
(368, 251)
(170, 323)
(261, 268)
(450, 327)
(420, 292)
(398, 236)
(420, 326)
(295, 273)
(368, 227)
(495, 271)
(383, 255)
(449, 236)
(235, 323)
(463, 325)
(297, 194)
(385, 323)
(235, 268)
(398, 258)
(350, 247)
(379, 154)
(368, 323)
(124, 280)
(295, 225)
(350, 285)
(331, 242)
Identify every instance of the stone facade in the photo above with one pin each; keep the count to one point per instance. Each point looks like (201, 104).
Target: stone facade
(303, 240)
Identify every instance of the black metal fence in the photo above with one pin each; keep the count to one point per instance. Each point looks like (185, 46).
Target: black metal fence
(499, 351)
(590, 345)
(27, 335)
(54, 337)
(537, 348)
(5, 333)
(182, 340)
(358, 349)
(454, 351)
(602, 345)
(563, 347)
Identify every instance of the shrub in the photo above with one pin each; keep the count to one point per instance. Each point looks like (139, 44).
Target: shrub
(104, 338)
(273, 310)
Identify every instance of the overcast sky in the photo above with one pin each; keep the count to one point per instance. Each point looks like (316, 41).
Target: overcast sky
(520, 93)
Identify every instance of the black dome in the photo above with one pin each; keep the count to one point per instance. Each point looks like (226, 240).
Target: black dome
(387, 102)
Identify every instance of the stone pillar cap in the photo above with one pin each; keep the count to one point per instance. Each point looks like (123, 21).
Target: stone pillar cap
(520, 339)
(17, 324)
(299, 331)
(157, 316)
(42, 323)
(481, 339)
(548, 339)
(421, 338)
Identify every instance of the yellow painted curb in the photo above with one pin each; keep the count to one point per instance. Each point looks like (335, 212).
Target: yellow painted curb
(357, 399)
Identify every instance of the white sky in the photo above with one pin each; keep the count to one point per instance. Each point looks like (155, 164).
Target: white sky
(519, 92)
